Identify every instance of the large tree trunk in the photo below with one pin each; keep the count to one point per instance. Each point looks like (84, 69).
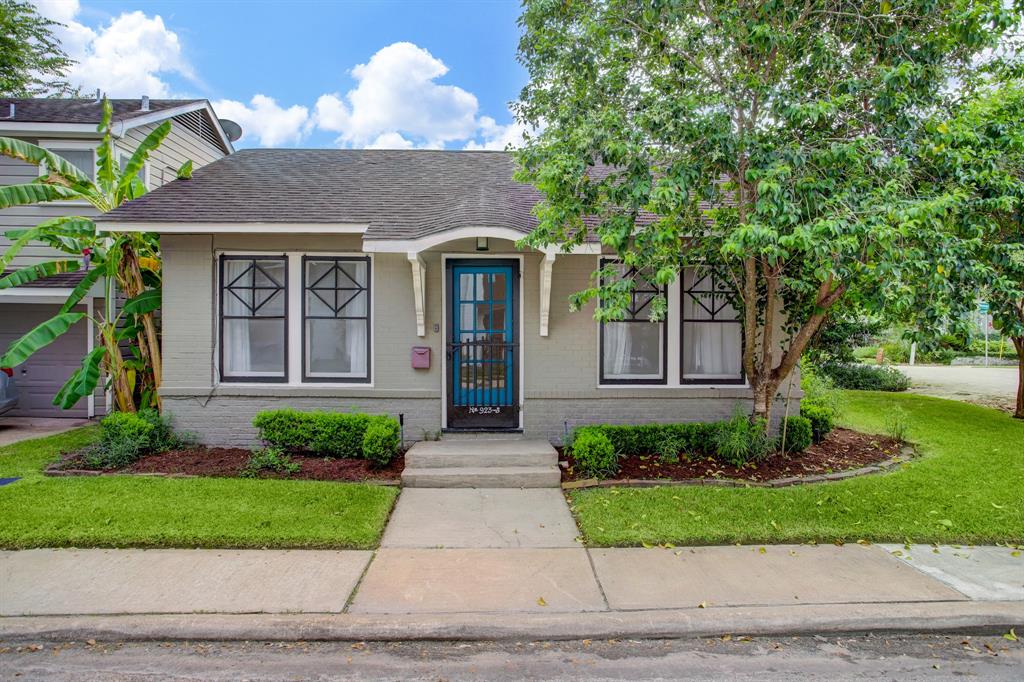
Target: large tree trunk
(1018, 343)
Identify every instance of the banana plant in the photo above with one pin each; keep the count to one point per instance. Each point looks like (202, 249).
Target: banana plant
(125, 261)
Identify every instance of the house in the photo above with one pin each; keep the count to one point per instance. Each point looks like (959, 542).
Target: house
(390, 282)
(68, 127)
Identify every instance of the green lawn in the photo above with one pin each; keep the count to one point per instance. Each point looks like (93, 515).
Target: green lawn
(133, 511)
(967, 487)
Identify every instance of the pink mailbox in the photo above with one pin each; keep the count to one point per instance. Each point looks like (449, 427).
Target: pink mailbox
(421, 357)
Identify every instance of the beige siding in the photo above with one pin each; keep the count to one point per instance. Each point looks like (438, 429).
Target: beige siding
(13, 172)
(179, 146)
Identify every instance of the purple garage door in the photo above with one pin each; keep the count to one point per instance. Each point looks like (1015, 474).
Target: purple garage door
(44, 373)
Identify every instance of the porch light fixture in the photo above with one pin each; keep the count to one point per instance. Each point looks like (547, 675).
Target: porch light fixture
(481, 243)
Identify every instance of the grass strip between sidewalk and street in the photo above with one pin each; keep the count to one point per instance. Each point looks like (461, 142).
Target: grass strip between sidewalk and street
(147, 511)
(965, 488)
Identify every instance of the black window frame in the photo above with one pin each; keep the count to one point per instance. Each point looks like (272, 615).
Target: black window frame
(663, 291)
(368, 317)
(222, 287)
(683, 291)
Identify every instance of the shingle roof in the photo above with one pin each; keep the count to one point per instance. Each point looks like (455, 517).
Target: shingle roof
(399, 194)
(53, 110)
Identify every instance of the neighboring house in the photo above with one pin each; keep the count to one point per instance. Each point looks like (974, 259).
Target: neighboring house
(390, 282)
(68, 128)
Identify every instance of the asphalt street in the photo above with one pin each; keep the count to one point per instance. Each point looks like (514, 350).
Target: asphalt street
(932, 657)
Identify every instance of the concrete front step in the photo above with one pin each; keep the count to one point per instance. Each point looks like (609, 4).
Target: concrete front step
(481, 453)
(479, 463)
(483, 477)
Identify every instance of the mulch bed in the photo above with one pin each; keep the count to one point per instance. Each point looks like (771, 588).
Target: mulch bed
(841, 450)
(229, 463)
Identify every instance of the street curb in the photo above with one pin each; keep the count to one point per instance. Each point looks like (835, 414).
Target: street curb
(821, 619)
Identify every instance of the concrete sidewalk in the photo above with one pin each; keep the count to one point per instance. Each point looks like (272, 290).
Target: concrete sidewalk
(479, 562)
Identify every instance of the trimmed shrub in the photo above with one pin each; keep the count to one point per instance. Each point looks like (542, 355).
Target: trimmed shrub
(381, 440)
(799, 433)
(287, 429)
(821, 420)
(594, 453)
(124, 438)
(325, 434)
(741, 440)
(866, 377)
(337, 434)
(269, 459)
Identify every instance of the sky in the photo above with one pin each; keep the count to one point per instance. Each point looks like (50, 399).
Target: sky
(306, 73)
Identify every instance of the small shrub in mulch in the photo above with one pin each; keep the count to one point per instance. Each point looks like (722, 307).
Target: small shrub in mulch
(233, 463)
(840, 450)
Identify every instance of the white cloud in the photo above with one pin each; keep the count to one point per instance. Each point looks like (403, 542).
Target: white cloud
(498, 137)
(391, 141)
(266, 120)
(397, 94)
(129, 57)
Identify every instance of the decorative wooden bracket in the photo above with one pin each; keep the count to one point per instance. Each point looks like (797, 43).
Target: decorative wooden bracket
(419, 291)
(545, 290)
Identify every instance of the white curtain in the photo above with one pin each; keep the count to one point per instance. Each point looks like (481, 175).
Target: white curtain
(618, 346)
(712, 334)
(337, 346)
(237, 346)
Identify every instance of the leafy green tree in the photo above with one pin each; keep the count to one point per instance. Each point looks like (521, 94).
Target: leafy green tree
(125, 261)
(972, 160)
(766, 138)
(32, 62)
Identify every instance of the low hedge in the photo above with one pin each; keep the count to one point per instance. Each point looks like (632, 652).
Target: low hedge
(865, 377)
(330, 434)
(701, 439)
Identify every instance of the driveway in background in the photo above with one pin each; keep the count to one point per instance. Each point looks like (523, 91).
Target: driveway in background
(989, 386)
(14, 429)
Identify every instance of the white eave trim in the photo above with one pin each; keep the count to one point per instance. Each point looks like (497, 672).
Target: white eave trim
(136, 121)
(119, 126)
(231, 228)
(431, 241)
(74, 129)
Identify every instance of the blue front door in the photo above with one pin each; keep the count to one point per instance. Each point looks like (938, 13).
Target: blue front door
(483, 360)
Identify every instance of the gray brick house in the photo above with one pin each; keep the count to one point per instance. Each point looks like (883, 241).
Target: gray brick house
(390, 282)
(67, 127)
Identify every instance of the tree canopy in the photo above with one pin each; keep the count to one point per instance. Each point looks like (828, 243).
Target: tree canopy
(772, 140)
(32, 62)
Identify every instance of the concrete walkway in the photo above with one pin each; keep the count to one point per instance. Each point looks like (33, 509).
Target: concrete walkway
(989, 386)
(466, 551)
(466, 563)
(15, 429)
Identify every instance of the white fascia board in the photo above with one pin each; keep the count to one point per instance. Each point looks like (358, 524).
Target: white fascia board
(136, 121)
(15, 128)
(434, 240)
(231, 228)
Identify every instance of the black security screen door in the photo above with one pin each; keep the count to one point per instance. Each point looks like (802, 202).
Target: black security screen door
(482, 353)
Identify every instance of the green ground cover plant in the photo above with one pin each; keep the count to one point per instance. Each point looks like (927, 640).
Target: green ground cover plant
(964, 488)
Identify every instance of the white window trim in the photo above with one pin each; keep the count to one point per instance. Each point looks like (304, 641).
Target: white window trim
(673, 350)
(121, 153)
(55, 146)
(294, 320)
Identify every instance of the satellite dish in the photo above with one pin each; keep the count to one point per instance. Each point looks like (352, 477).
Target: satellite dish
(231, 129)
